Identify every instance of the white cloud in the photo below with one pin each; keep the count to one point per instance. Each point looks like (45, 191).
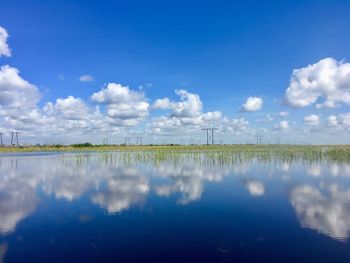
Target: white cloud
(162, 104)
(4, 48)
(185, 115)
(235, 125)
(190, 105)
(73, 114)
(282, 125)
(70, 108)
(283, 114)
(18, 99)
(341, 121)
(212, 116)
(312, 119)
(126, 107)
(344, 119)
(86, 78)
(332, 121)
(15, 92)
(327, 79)
(252, 104)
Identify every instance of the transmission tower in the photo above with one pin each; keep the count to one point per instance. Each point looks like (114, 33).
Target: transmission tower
(105, 140)
(14, 138)
(210, 135)
(258, 139)
(139, 140)
(127, 140)
(1, 142)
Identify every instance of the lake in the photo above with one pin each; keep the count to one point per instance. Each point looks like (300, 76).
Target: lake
(97, 207)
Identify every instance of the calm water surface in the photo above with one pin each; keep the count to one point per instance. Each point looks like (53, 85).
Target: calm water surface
(93, 208)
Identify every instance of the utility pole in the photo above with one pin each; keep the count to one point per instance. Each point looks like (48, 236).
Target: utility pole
(1, 142)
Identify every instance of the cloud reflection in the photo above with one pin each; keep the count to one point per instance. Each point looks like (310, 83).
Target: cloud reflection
(125, 189)
(17, 201)
(114, 187)
(327, 212)
(188, 180)
(255, 188)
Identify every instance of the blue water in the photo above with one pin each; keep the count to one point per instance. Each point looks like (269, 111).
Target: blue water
(84, 208)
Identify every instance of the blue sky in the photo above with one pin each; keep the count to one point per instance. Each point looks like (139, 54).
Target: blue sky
(222, 51)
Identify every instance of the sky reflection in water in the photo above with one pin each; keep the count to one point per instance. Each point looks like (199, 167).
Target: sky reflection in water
(310, 201)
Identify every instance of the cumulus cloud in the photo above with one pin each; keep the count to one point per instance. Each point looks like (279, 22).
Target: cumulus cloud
(327, 80)
(185, 115)
(282, 125)
(235, 125)
(162, 104)
(4, 48)
(69, 108)
(252, 104)
(126, 107)
(190, 104)
(86, 78)
(341, 121)
(332, 121)
(15, 92)
(19, 109)
(344, 119)
(18, 100)
(312, 119)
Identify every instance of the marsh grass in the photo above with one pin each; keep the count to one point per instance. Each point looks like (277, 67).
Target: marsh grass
(209, 155)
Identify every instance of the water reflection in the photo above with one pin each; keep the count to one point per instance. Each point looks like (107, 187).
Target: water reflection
(110, 185)
(326, 210)
(255, 188)
(17, 200)
(3, 249)
(319, 196)
(187, 180)
(125, 188)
